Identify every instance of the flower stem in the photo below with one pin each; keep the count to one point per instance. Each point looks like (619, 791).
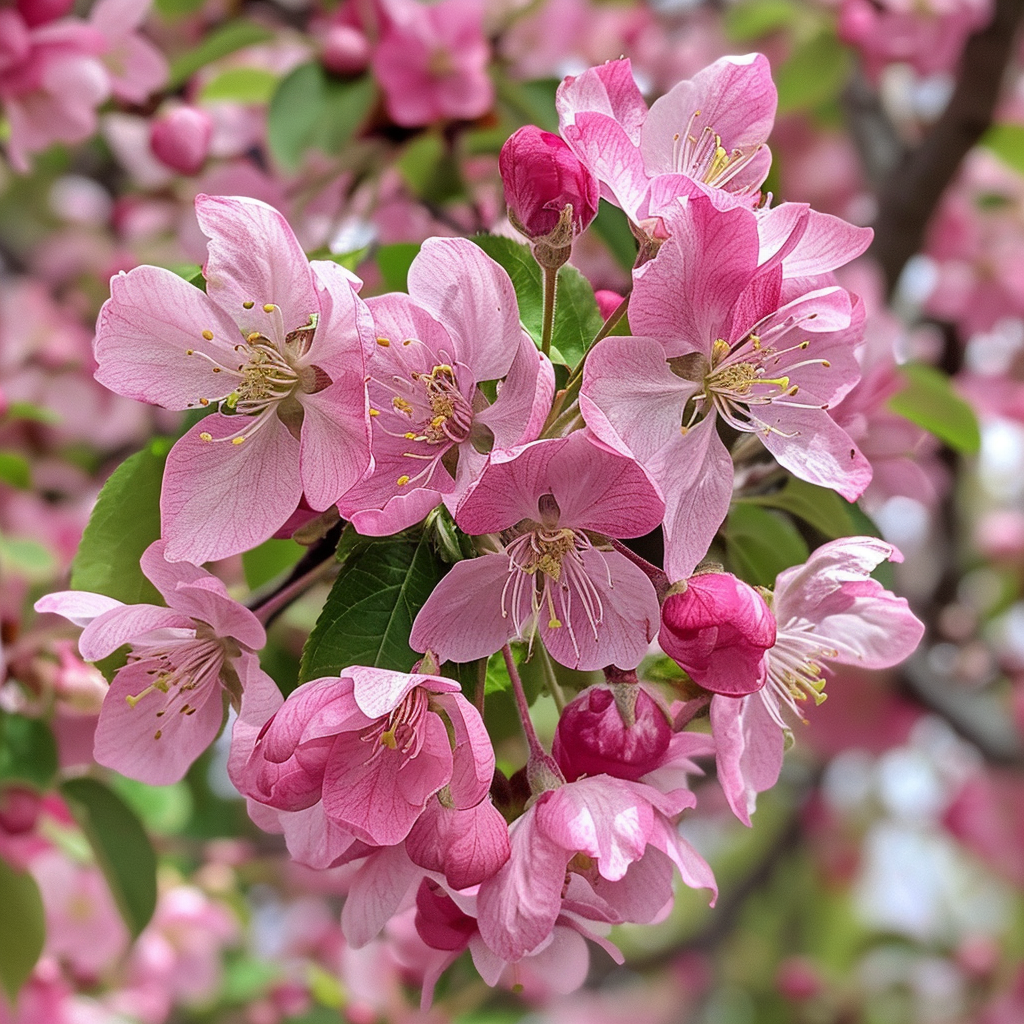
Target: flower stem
(523, 706)
(280, 599)
(551, 680)
(657, 576)
(550, 285)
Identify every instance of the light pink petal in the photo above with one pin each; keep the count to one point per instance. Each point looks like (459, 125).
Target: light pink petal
(152, 319)
(167, 576)
(378, 691)
(137, 68)
(826, 244)
(473, 753)
(377, 891)
(462, 619)
(122, 625)
(118, 17)
(397, 513)
(254, 257)
(77, 606)
(344, 336)
(604, 146)
(313, 839)
(517, 908)
(466, 846)
(694, 869)
(207, 601)
(641, 894)
(335, 451)
(606, 89)
(629, 617)
(473, 297)
(219, 498)
(155, 750)
(749, 750)
(524, 401)
(260, 700)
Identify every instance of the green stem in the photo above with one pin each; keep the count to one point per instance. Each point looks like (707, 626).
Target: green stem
(552, 680)
(550, 284)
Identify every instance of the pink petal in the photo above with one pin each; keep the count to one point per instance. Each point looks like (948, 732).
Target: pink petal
(77, 606)
(260, 700)
(313, 839)
(344, 336)
(606, 89)
(467, 846)
(522, 405)
(335, 449)
(827, 243)
(129, 622)
(377, 891)
(473, 753)
(378, 691)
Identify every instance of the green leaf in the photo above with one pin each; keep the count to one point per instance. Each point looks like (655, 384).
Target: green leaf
(32, 413)
(760, 544)
(394, 262)
(823, 509)
(369, 612)
(125, 521)
(310, 109)
(122, 848)
(270, 559)
(231, 36)
(28, 751)
(430, 169)
(173, 9)
(930, 401)
(241, 85)
(612, 226)
(15, 471)
(577, 318)
(1007, 142)
(528, 102)
(28, 558)
(22, 927)
(198, 281)
(748, 21)
(164, 810)
(814, 74)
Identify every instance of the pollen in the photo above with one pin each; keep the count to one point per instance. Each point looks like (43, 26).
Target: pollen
(204, 401)
(237, 440)
(383, 342)
(208, 335)
(268, 307)
(375, 412)
(205, 436)
(190, 351)
(255, 336)
(402, 480)
(248, 305)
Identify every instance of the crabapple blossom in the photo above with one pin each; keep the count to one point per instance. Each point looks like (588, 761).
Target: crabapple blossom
(717, 628)
(165, 706)
(278, 344)
(717, 335)
(591, 606)
(431, 422)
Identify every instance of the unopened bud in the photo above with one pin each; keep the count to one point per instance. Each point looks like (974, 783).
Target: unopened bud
(551, 196)
(346, 50)
(181, 139)
(617, 729)
(718, 629)
(42, 12)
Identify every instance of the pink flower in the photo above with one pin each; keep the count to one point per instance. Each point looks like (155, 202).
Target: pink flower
(135, 66)
(542, 176)
(828, 610)
(717, 329)
(718, 629)
(592, 607)
(373, 746)
(181, 138)
(709, 131)
(431, 61)
(431, 423)
(165, 707)
(278, 343)
(618, 730)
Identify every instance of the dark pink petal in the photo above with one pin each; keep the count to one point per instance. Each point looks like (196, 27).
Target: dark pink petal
(138, 743)
(462, 619)
(145, 330)
(629, 617)
(473, 297)
(122, 625)
(466, 846)
(473, 753)
(377, 891)
(220, 498)
(254, 257)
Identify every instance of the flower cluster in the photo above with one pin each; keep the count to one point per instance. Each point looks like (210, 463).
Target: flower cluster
(310, 402)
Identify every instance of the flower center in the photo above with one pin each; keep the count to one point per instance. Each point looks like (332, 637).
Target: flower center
(794, 667)
(701, 156)
(400, 729)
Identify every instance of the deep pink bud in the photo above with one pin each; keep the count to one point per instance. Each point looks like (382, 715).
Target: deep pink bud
(346, 50)
(19, 809)
(607, 301)
(718, 629)
(542, 176)
(617, 730)
(181, 139)
(40, 12)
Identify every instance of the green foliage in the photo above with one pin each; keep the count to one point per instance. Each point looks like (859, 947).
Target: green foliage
(815, 73)
(173, 9)
(15, 471)
(394, 262)
(28, 752)
(369, 612)
(22, 927)
(164, 810)
(270, 559)
(577, 318)
(125, 521)
(31, 413)
(28, 558)
(821, 508)
(757, 18)
(241, 85)
(231, 36)
(930, 401)
(760, 544)
(312, 110)
(1007, 142)
(527, 102)
(612, 226)
(430, 169)
(122, 848)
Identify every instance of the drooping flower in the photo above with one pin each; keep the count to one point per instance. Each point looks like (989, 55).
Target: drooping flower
(166, 705)
(592, 607)
(457, 328)
(278, 343)
(718, 629)
(717, 337)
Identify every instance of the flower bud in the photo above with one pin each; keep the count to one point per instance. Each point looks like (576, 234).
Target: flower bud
(41, 12)
(19, 809)
(617, 730)
(346, 50)
(551, 196)
(718, 629)
(181, 139)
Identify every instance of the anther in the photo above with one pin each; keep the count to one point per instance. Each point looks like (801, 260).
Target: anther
(204, 436)
(383, 342)
(237, 440)
(248, 304)
(190, 351)
(402, 480)
(208, 335)
(268, 307)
